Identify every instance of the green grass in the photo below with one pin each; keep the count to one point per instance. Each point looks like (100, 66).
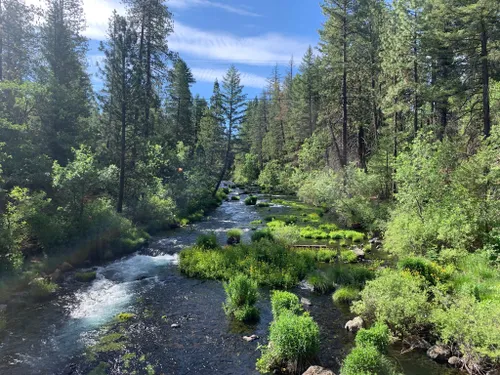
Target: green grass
(345, 294)
(326, 256)
(85, 277)
(235, 198)
(256, 222)
(262, 234)
(124, 317)
(241, 296)
(267, 262)
(263, 204)
(251, 200)
(348, 256)
(234, 233)
(313, 233)
(207, 241)
(282, 301)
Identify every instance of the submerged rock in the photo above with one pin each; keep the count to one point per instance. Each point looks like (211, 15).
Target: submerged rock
(65, 267)
(355, 324)
(56, 276)
(305, 301)
(250, 338)
(439, 353)
(318, 370)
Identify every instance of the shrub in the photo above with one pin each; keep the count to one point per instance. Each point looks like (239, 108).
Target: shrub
(207, 241)
(345, 294)
(398, 299)
(424, 267)
(364, 360)
(85, 276)
(378, 336)
(251, 200)
(348, 256)
(326, 256)
(155, 210)
(263, 204)
(262, 234)
(274, 224)
(241, 296)
(235, 198)
(349, 275)
(294, 340)
(282, 301)
(40, 288)
(320, 282)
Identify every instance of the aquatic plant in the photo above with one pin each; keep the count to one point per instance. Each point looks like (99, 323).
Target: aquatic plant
(251, 200)
(282, 301)
(377, 335)
(207, 241)
(241, 296)
(345, 294)
(85, 277)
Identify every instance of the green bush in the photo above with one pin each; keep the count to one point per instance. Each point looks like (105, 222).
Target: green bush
(364, 360)
(85, 276)
(345, 294)
(343, 274)
(262, 234)
(269, 263)
(348, 256)
(424, 267)
(251, 200)
(40, 288)
(289, 234)
(235, 198)
(378, 336)
(207, 241)
(398, 299)
(282, 301)
(294, 340)
(274, 224)
(310, 232)
(326, 256)
(263, 204)
(241, 296)
(234, 235)
(320, 282)
(155, 210)
(471, 326)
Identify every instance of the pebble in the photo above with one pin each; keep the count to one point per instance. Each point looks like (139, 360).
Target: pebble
(175, 325)
(250, 338)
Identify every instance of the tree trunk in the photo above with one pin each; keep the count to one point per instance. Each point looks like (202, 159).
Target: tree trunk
(1, 41)
(344, 87)
(485, 81)
(121, 192)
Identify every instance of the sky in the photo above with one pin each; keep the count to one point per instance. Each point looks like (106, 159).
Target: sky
(210, 35)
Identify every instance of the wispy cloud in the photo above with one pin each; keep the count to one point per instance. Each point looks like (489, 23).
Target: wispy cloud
(247, 79)
(181, 4)
(265, 49)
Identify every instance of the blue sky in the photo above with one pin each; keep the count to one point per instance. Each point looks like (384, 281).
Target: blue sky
(212, 34)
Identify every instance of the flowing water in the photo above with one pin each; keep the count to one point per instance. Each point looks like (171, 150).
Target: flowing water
(51, 337)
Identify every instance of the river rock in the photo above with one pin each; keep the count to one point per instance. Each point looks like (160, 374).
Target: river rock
(375, 241)
(3, 308)
(250, 338)
(439, 353)
(175, 325)
(359, 252)
(355, 324)
(56, 276)
(454, 361)
(65, 267)
(305, 301)
(318, 370)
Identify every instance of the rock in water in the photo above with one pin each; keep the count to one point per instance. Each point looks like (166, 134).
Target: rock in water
(305, 302)
(65, 267)
(250, 338)
(359, 252)
(56, 276)
(354, 325)
(454, 361)
(175, 325)
(318, 370)
(439, 353)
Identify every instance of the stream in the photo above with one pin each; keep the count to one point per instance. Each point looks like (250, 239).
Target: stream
(51, 337)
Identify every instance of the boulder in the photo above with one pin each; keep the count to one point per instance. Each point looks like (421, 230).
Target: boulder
(56, 276)
(318, 370)
(3, 308)
(360, 253)
(250, 338)
(65, 267)
(454, 361)
(305, 302)
(175, 325)
(355, 324)
(439, 353)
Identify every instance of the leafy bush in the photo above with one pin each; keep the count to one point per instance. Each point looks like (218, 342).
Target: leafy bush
(320, 282)
(234, 234)
(424, 267)
(398, 299)
(378, 336)
(274, 224)
(472, 326)
(251, 200)
(294, 340)
(262, 234)
(282, 301)
(235, 197)
(366, 360)
(345, 294)
(207, 241)
(85, 276)
(40, 288)
(289, 234)
(241, 296)
(155, 210)
(247, 170)
(343, 274)
(269, 263)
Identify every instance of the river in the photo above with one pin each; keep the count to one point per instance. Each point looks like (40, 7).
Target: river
(52, 337)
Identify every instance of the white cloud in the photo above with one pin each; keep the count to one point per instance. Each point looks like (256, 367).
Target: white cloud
(247, 79)
(265, 49)
(182, 4)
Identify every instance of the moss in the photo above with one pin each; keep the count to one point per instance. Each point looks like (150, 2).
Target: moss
(124, 317)
(235, 198)
(85, 276)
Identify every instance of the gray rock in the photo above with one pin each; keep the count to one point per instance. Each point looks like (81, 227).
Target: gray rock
(360, 253)
(56, 276)
(439, 353)
(355, 324)
(305, 301)
(175, 325)
(3, 308)
(65, 267)
(250, 338)
(454, 361)
(318, 370)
